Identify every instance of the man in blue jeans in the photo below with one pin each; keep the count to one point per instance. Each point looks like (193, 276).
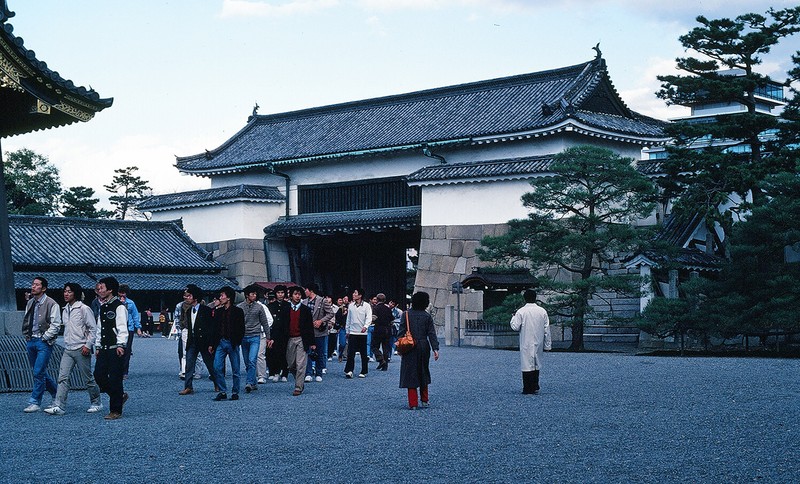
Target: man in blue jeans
(322, 314)
(227, 336)
(256, 320)
(40, 327)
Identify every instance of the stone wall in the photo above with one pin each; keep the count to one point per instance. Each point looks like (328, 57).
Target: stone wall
(446, 255)
(244, 259)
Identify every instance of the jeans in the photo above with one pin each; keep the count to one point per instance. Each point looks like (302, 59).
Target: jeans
(39, 356)
(369, 340)
(191, 361)
(342, 341)
(250, 345)
(315, 365)
(226, 348)
(74, 359)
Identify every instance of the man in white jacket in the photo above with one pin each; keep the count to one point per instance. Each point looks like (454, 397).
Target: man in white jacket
(79, 334)
(534, 336)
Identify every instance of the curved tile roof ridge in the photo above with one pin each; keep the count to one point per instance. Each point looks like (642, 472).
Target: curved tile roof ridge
(207, 195)
(30, 56)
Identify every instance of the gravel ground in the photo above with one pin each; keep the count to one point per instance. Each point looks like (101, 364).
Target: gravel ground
(600, 417)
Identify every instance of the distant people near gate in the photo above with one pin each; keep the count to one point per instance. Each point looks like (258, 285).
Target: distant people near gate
(256, 322)
(533, 325)
(341, 325)
(359, 319)
(134, 326)
(382, 332)
(40, 326)
(333, 332)
(229, 328)
(276, 355)
(396, 313)
(80, 331)
(322, 314)
(147, 323)
(415, 365)
(165, 321)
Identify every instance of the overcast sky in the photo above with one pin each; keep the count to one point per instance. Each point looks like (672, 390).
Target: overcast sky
(185, 74)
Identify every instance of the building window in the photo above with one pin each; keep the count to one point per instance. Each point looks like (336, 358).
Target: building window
(358, 195)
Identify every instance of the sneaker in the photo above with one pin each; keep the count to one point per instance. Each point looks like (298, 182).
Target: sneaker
(362, 375)
(247, 388)
(335, 353)
(330, 358)
(181, 376)
(275, 378)
(284, 379)
(324, 371)
(94, 408)
(424, 405)
(349, 374)
(262, 380)
(372, 359)
(220, 396)
(54, 410)
(308, 378)
(32, 408)
(113, 416)
(318, 379)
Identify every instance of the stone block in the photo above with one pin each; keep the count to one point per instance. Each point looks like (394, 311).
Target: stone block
(465, 232)
(448, 264)
(425, 261)
(440, 232)
(469, 248)
(456, 248)
(258, 256)
(427, 232)
(460, 266)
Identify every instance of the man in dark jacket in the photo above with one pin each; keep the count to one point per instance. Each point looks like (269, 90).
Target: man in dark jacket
(228, 334)
(382, 334)
(276, 355)
(300, 332)
(199, 338)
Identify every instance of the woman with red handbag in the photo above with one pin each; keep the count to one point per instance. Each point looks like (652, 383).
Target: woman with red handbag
(415, 364)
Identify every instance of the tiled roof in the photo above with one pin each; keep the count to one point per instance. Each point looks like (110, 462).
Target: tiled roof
(61, 242)
(212, 196)
(455, 114)
(689, 259)
(677, 229)
(481, 279)
(137, 281)
(508, 168)
(650, 167)
(30, 82)
(402, 218)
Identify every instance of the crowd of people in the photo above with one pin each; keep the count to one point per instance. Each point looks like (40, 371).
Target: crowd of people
(292, 332)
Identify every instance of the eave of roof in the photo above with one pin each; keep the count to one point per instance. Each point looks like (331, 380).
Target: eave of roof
(33, 96)
(375, 220)
(535, 102)
(212, 196)
(137, 281)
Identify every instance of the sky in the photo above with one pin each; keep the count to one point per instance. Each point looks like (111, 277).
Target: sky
(186, 74)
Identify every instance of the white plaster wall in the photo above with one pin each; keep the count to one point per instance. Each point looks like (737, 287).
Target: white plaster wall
(214, 223)
(474, 203)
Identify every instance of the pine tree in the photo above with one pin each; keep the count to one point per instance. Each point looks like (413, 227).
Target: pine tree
(128, 189)
(78, 202)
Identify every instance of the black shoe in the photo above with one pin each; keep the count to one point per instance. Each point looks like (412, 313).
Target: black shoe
(385, 367)
(247, 389)
(220, 396)
(235, 396)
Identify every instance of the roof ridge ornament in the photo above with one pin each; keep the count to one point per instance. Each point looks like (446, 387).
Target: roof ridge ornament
(596, 48)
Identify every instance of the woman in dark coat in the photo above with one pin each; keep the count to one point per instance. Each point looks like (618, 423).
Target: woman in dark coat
(415, 365)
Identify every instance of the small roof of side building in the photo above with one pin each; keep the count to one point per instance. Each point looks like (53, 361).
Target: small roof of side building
(211, 196)
(579, 98)
(157, 255)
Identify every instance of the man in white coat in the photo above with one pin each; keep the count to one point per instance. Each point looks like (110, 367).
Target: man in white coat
(534, 337)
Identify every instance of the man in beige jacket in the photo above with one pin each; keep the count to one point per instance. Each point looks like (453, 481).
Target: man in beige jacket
(534, 336)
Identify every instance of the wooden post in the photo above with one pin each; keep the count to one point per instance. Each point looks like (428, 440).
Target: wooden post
(8, 300)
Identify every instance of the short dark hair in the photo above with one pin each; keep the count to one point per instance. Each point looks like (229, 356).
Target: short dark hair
(272, 295)
(295, 289)
(252, 288)
(195, 291)
(280, 287)
(42, 280)
(111, 283)
(359, 290)
(420, 300)
(228, 291)
(124, 288)
(76, 289)
(313, 287)
(529, 295)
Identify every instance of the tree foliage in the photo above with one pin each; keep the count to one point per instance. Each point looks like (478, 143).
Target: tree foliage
(128, 188)
(32, 183)
(580, 221)
(78, 202)
(703, 172)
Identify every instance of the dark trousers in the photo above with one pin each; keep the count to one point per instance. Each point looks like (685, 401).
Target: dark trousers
(276, 359)
(530, 382)
(333, 339)
(191, 361)
(128, 352)
(108, 375)
(382, 338)
(356, 342)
